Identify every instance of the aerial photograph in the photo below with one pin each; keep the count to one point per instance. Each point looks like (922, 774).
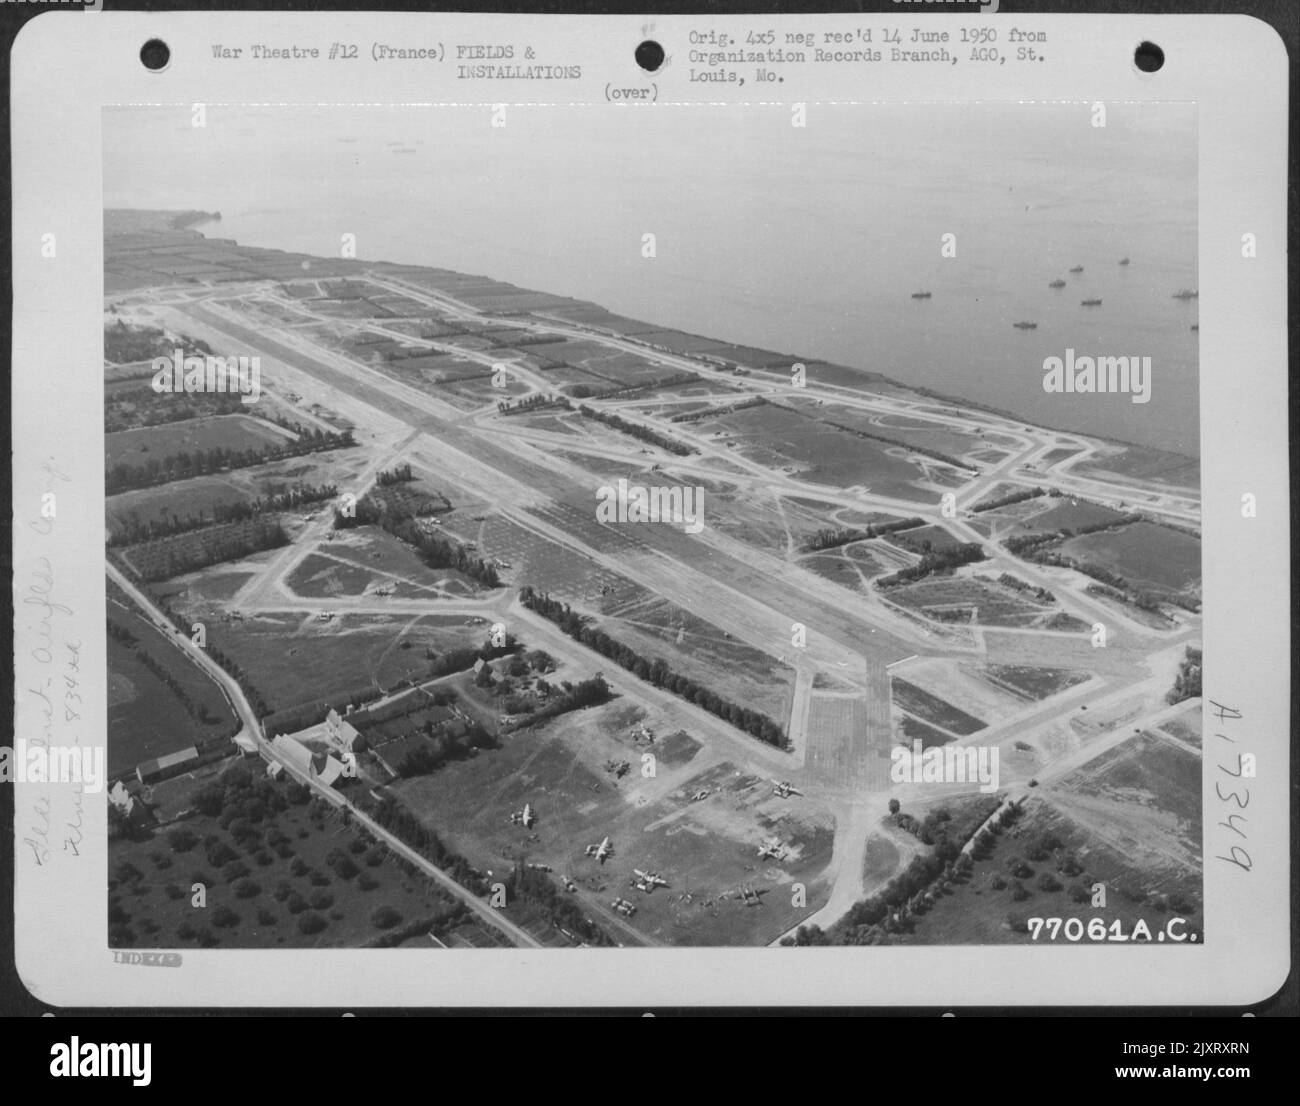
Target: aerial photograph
(652, 526)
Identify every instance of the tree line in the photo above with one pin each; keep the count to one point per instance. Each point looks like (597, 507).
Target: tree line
(133, 529)
(935, 560)
(655, 671)
(531, 403)
(1007, 500)
(714, 412)
(233, 541)
(636, 430)
(400, 822)
(1187, 684)
(400, 474)
(831, 539)
(585, 693)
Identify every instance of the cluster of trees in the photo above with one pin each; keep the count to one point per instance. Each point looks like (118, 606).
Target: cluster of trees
(133, 529)
(654, 671)
(636, 430)
(562, 911)
(1007, 500)
(531, 403)
(435, 551)
(439, 924)
(438, 749)
(168, 557)
(714, 412)
(831, 539)
(1187, 684)
(234, 796)
(400, 474)
(935, 560)
(1010, 581)
(398, 820)
(186, 464)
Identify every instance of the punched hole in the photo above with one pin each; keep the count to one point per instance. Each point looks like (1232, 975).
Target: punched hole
(1148, 57)
(649, 55)
(155, 54)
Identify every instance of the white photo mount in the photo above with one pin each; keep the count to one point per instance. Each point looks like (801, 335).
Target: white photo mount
(68, 72)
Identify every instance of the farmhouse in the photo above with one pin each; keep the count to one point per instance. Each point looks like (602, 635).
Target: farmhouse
(342, 733)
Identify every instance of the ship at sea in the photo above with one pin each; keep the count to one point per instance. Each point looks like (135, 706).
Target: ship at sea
(1090, 303)
(1077, 269)
(1057, 284)
(1185, 294)
(1025, 326)
(921, 295)
(1123, 260)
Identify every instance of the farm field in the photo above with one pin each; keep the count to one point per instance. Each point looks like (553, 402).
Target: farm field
(237, 432)
(192, 550)
(146, 718)
(287, 874)
(1145, 554)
